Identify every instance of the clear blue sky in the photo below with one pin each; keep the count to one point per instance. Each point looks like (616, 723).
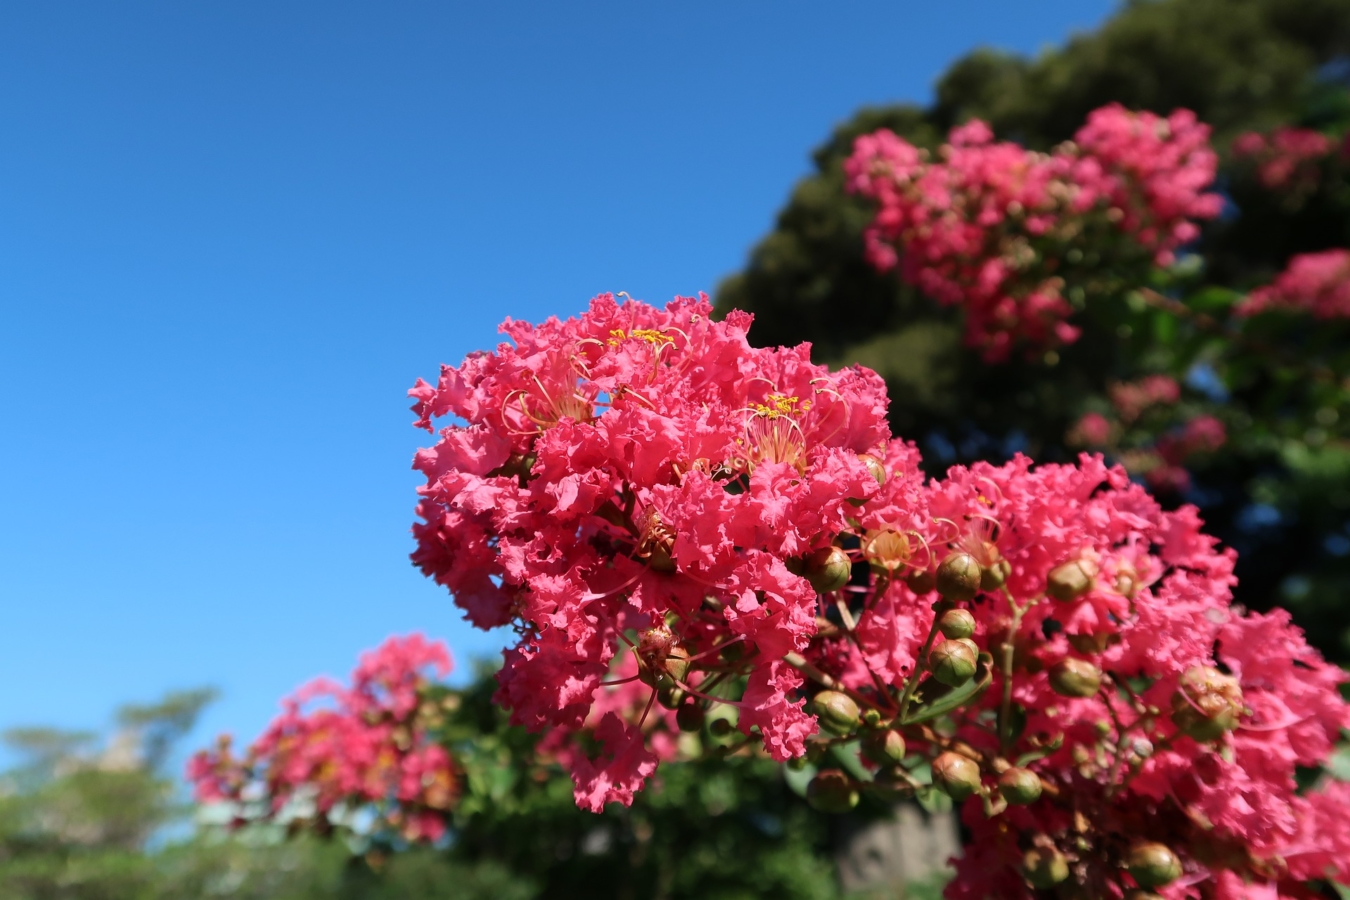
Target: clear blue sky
(232, 234)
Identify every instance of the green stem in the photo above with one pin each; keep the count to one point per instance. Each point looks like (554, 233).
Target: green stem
(913, 683)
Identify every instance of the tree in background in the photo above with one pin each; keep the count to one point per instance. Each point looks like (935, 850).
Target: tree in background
(1276, 489)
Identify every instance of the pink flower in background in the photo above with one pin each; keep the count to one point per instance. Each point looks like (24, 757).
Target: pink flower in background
(989, 226)
(1093, 430)
(363, 747)
(1286, 157)
(1313, 283)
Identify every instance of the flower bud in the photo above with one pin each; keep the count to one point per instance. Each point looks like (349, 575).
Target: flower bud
(1207, 703)
(720, 727)
(958, 776)
(828, 569)
(1071, 580)
(670, 696)
(660, 560)
(885, 748)
(1152, 864)
(997, 572)
(1019, 786)
(874, 466)
(891, 784)
(1045, 867)
(1073, 677)
(953, 662)
(958, 578)
(956, 623)
(831, 791)
(690, 717)
(836, 711)
(921, 581)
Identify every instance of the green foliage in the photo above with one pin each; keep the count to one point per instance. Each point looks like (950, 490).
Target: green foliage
(1277, 491)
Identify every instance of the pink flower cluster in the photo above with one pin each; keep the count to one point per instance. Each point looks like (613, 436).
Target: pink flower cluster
(1150, 709)
(367, 748)
(647, 500)
(1161, 459)
(1287, 158)
(1001, 231)
(639, 479)
(1313, 283)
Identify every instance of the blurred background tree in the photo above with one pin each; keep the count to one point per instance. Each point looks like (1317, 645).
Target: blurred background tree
(1279, 491)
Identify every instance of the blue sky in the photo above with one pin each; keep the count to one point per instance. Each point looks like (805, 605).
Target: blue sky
(233, 234)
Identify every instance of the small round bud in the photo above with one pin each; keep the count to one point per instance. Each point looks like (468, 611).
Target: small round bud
(1019, 786)
(1071, 580)
(670, 696)
(921, 581)
(1045, 867)
(953, 662)
(874, 466)
(1073, 677)
(1152, 864)
(720, 727)
(1206, 703)
(958, 776)
(836, 711)
(831, 791)
(828, 569)
(996, 573)
(885, 748)
(956, 623)
(891, 784)
(958, 578)
(659, 560)
(690, 717)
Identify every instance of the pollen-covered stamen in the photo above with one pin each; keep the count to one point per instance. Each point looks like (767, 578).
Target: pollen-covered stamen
(772, 433)
(544, 408)
(655, 540)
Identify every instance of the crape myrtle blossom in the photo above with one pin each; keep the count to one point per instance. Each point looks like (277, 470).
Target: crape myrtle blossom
(1287, 158)
(680, 527)
(1314, 283)
(336, 751)
(1172, 437)
(1013, 236)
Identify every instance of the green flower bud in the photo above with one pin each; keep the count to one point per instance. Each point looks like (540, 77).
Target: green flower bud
(828, 569)
(690, 717)
(996, 573)
(953, 662)
(958, 578)
(1072, 677)
(720, 727)
(890, 784)
(956, 623)
(874, 466)
(659, 559)
(958, 776)
(670, 696)
(831, 791)
(885, 748)
(1019, 786)
(1152, 864)
(1045, 867)
(1071, 580)
(836, 711)
(921, 581)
